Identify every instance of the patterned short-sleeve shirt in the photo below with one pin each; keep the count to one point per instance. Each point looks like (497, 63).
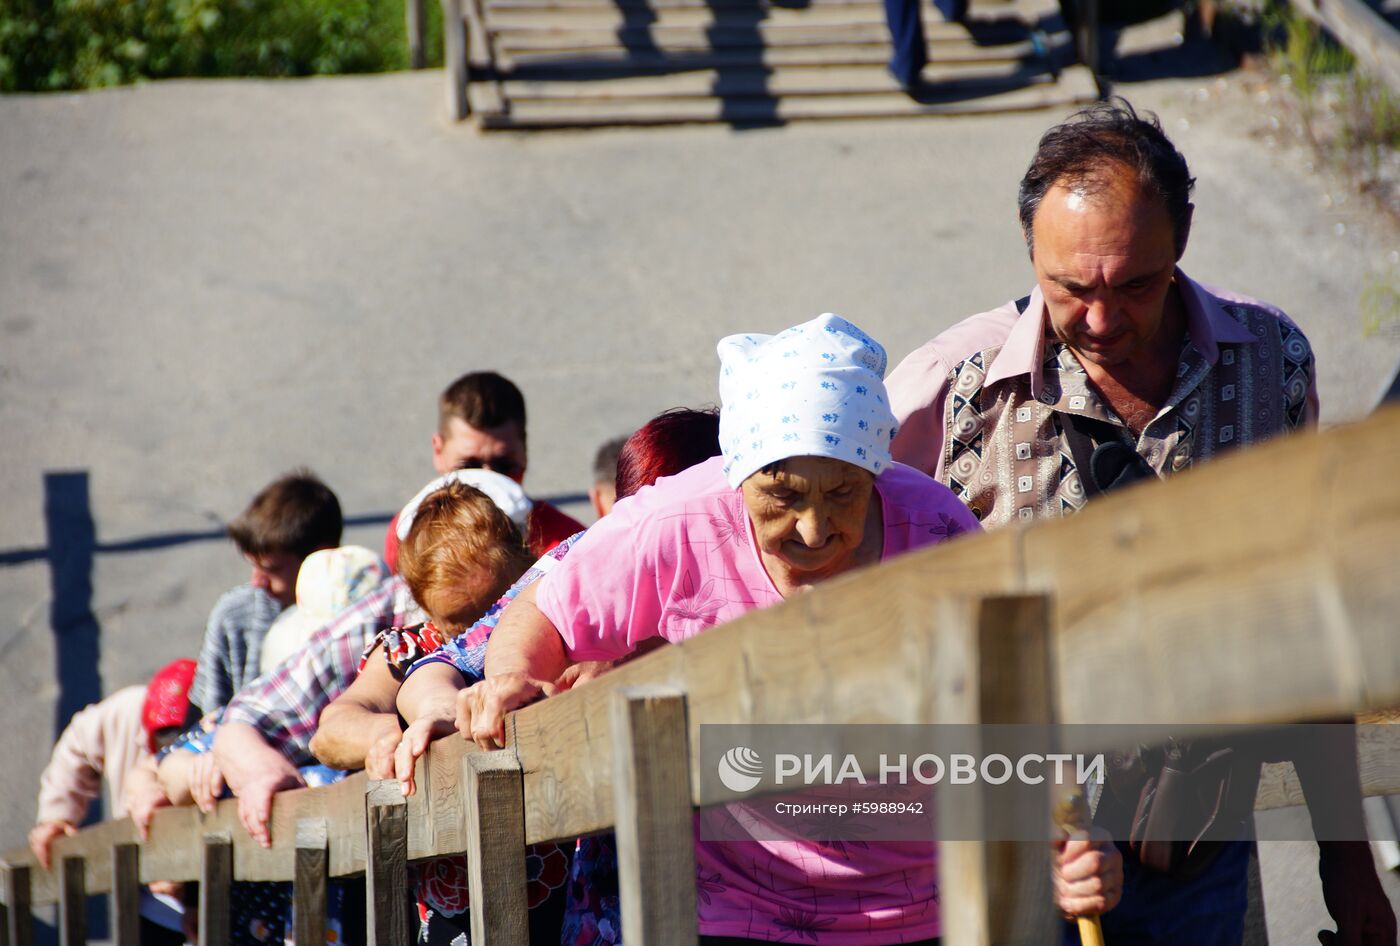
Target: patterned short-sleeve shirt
(1013, 420)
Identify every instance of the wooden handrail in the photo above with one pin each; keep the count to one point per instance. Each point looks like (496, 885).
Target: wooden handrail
(1257, 589)
(1362, 30)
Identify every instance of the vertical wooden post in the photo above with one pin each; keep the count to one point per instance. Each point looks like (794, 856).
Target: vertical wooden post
(1087, 34)
(386, 871)
(215, 879)
(651, 803)
(495, 797)
(992, 665)
(413, 23)
(454, 58)
(309, 884)
(126, 895)
(72, 902)
(19, 917)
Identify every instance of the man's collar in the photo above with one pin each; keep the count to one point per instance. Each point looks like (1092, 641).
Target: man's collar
(1207, 322)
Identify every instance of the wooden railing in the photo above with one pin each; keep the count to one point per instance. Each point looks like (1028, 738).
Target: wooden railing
(1363, 31)
(1262, 588)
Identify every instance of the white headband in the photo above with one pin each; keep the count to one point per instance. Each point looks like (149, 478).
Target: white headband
(501, 490)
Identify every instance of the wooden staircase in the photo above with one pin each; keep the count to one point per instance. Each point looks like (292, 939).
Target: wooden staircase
(581, 63)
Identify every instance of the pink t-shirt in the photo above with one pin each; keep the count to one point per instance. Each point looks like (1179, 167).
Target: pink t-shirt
(678, 558)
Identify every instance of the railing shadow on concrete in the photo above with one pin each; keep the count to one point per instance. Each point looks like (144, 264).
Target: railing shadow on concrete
(1284, 557)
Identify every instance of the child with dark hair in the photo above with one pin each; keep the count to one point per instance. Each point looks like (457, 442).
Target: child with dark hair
(289, 519)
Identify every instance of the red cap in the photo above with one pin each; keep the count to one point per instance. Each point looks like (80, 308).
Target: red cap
(167, 699)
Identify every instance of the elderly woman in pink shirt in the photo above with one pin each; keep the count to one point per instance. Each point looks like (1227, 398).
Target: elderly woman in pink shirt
(805, 490)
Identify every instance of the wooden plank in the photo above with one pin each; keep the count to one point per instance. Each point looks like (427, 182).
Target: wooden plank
(616, 60)
(610, 17)
(496, 884)
(1378, 757)
(642, 38)
(175, 850)
(94, 846)
(448, 795)
(783, 82)
(72, 903)
(1372, 40)
(548, 113)
(655, 833)
(419, 812)
(413, 28)
(484, 94)
(1259, 588)
(993, 665)
(454, 59)
(309, 886)
(386, 874)
(19, 916)
(215, 894)
(1281, 621)
(748, 6)
(126, 894)
(793, 663)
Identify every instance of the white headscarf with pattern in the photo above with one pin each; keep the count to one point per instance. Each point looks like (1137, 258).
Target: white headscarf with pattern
(816, 389)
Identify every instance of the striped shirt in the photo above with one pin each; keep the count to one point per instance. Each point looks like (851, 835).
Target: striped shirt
(228, 661)
(285, 704)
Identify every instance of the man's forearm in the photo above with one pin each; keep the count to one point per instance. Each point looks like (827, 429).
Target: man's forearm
(347, 732)
(243, 755)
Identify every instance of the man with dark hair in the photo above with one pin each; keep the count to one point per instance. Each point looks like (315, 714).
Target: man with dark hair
(481, 425)
(288, 520)
(1116, 367)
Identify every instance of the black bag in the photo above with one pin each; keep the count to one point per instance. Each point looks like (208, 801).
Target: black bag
(1182, 801)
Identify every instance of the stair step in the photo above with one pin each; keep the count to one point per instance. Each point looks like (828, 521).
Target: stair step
(541, 6)
(620, 62)
(650, 38)
(749, 81)
(611, 18)
(1076, 86)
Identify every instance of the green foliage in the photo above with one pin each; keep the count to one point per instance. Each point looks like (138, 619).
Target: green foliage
(84, 44)
(1301, 51)
(1380, 303)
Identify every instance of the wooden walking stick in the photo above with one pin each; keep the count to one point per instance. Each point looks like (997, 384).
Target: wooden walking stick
(1072, 815)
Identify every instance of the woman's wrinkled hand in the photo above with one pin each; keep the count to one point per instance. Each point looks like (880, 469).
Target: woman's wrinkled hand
(415, 742)
(379, 761)
(482, 709)
(579, 674)
(255, 802)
